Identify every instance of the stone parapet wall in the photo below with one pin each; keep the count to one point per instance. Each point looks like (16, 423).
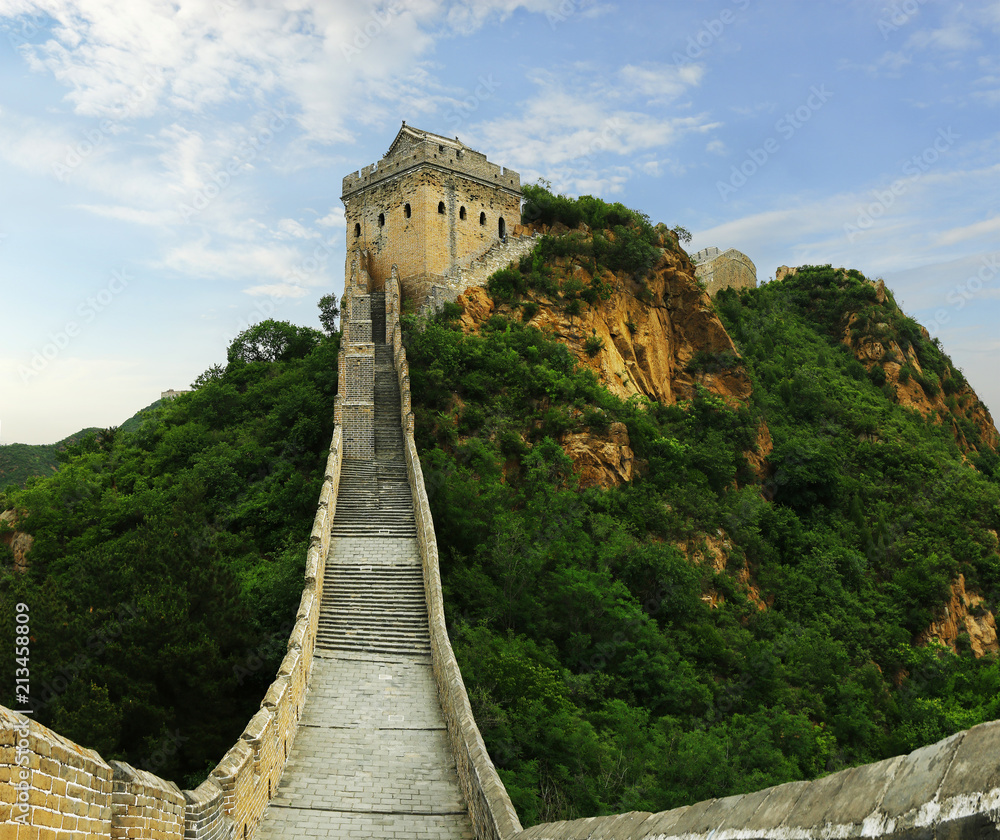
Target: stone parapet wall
(431, 291)
(945, 791)
(54, 789)
(490, 810)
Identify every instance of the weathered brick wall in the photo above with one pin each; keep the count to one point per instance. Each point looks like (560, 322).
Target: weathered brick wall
(67, 791)
(392, 211)
(726, 270)
(950, 789)
(144, 805)
(490, 810)
(53, 788)
(355, 406)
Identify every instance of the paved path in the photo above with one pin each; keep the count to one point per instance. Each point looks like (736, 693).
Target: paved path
(371, 758)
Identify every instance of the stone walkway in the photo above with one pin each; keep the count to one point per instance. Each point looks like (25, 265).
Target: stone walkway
(371, 758)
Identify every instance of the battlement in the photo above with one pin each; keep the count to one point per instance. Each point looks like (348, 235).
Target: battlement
(413, 148)
(430, 207)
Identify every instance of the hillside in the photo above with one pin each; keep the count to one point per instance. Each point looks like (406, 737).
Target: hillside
(162, 565)
(693, 549)
(21, 461)
(690, 548)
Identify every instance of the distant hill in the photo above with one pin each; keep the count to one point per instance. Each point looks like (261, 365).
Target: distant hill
(21, 461)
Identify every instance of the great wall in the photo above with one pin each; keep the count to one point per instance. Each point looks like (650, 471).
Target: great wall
(367, 730)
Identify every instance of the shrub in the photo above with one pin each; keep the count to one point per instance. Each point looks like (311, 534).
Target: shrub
(506, 284)
(529, 310)
(593, 345)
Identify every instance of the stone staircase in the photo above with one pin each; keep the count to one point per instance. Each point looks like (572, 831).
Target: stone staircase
(372, 759)
(375, 607)
(499, 255)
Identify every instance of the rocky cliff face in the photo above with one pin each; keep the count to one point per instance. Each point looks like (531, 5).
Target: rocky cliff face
(18, 541)
(657, 338)
(967, 614)
(964, 404)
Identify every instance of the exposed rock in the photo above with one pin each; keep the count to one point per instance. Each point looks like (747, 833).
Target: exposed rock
(650, 335)
(659, 339)
(964, 613)
(601, 460)
(18, 541)
(910, 394)
(763, 447)
(714, 550)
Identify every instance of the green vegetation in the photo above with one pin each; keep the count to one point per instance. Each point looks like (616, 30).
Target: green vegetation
(21, 461)
(168, 560)
(620, 240)
(601, 678)
(608, 672)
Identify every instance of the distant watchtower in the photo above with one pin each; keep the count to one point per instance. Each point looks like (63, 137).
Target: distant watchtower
(430, 206)
(719, 270)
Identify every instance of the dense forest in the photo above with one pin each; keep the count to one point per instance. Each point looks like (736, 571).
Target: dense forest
(21, 461)
(608, 671)
(167, 560)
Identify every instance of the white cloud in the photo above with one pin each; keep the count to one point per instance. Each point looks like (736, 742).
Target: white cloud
(976, 229)
(576, 125)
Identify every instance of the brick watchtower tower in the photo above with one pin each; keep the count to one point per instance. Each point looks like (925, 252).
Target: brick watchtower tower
(430, 206)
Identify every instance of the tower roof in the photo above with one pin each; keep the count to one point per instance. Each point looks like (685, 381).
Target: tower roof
(408, 135)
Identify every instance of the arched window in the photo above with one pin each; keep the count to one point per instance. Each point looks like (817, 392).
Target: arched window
(482, 218)
(357, 229)
(406, 210)
(502, 228)
(441, 207)
(461, 213)
(381, 219)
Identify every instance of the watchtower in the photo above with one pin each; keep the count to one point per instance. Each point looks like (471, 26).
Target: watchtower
(719, 270)
(430, 206)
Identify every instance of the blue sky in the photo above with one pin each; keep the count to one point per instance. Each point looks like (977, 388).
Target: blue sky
(171, 171)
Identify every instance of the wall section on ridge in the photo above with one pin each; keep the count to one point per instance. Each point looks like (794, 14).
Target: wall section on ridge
(490, 810)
